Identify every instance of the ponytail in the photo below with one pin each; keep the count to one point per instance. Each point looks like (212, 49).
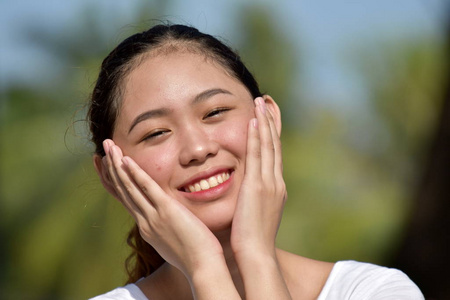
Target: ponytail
(144, 260)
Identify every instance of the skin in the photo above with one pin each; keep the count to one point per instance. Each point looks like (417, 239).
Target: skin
(199, 122)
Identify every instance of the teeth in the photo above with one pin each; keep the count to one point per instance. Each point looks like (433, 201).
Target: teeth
(213, 182)
(206, 184)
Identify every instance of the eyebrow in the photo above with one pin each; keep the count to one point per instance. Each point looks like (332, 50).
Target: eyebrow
(208, 94)
(148, 115)
(165, 111)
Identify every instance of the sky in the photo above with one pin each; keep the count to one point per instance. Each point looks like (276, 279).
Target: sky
(323, 30)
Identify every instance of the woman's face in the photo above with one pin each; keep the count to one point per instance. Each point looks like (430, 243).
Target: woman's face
(184, 121)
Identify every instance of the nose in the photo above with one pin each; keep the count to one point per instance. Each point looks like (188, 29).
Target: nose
(196, 146)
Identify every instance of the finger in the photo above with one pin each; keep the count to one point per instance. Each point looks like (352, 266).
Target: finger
(146, 185)
(253, 156)
(113, 166)
(134, 195)
(267, 144)
(107, 181)
(278, 155)
(125, 199)
(109, 167)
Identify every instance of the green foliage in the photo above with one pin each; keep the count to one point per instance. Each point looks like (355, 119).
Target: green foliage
(56, 217)
(405, 81)
(268, 53)
(340, 206)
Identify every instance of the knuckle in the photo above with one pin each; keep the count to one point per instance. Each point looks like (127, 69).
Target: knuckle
(144, 232)
(278, 144)
(128, 186)
(144, 188)
(281, 189)
(269, 145)
(256, 153)
(285, 197)
(259, 189)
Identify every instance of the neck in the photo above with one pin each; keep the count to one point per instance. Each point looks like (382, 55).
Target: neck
(160, 284)
(224, 239)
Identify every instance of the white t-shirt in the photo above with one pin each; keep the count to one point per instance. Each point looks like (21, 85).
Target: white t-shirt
(348, 280)
(352, 280)
(128, 292)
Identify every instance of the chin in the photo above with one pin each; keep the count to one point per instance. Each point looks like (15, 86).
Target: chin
(218, 218)
(219, 226)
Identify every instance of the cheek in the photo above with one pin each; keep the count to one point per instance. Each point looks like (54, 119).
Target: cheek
(157, 163)
(233, 136)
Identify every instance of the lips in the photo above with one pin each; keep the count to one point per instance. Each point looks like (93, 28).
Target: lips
(207, 183)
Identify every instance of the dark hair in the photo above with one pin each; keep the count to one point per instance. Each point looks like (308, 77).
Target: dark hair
(106, 100)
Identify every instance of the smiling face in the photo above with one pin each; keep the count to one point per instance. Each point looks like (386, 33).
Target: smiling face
(184, 121)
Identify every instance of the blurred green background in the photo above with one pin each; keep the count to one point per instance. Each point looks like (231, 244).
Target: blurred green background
(361, 86)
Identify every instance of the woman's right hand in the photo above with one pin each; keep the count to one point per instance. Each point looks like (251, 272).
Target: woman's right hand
(177, 234)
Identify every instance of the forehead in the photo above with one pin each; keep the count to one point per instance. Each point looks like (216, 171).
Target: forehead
(174, 77)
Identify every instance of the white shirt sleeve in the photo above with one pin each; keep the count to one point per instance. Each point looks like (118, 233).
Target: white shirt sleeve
(351, 280)
(128, 292)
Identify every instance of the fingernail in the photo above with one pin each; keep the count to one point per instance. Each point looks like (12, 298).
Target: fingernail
(126, 160)
(262, 105)
(255, 122)
(106, 146)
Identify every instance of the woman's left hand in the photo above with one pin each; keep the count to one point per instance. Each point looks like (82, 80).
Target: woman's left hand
(263, 192)
(258, 210)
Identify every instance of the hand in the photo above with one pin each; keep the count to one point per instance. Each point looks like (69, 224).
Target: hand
(178, 236)
(259, 208)
(263, 191)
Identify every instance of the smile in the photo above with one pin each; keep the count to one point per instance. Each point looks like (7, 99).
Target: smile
(206, 184)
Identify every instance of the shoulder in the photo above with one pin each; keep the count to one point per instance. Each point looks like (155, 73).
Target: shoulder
(128, 292)
(356, 280)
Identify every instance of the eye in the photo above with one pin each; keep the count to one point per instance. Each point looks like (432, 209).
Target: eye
(215, 112)
(155, 134)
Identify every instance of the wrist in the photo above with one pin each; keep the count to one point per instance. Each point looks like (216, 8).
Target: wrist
(256, 258)
(212, 281)
(262, 276)
(255, 253)
(205, 267)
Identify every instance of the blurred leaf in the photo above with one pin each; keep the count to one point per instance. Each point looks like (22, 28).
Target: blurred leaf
(260, 44)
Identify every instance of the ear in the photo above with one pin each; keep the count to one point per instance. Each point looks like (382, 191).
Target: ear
(272, 106)
(102, 172)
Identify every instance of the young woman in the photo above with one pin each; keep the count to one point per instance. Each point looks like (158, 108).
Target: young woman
(189, 145)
